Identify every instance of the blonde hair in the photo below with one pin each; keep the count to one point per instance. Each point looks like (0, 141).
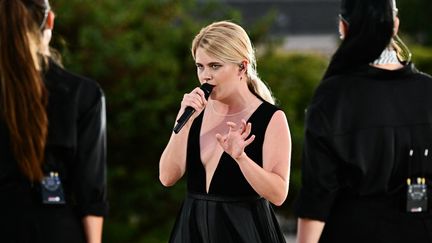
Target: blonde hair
(230, 43)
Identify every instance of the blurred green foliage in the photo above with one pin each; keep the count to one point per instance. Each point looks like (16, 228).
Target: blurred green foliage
(293, 78)
(422, 58)
(138, 50)
(415, 16)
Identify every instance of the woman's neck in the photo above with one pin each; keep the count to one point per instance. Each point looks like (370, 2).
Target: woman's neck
(388, 60)
(235, 105)
(388, 66)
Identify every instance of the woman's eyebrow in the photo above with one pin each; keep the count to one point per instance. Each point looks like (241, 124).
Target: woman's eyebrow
(210, 63)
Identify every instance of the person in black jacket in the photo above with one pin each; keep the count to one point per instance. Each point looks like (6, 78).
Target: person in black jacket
(367, 168)
(52, 136)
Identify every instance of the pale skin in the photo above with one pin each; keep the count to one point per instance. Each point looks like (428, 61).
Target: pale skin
(309, 230)
(224, 129)
(92, 224)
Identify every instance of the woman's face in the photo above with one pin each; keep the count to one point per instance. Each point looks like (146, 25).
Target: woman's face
(225, 76)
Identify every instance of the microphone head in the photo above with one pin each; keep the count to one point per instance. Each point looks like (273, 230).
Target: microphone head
(207, 88)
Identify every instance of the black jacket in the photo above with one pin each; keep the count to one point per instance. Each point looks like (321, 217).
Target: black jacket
(359, 130)
(76, 148)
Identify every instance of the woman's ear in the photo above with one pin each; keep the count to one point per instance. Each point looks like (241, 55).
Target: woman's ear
(243, 66)
(242, 69)
(50, 20)
(343, 29)
(47, 33)
(396, 26)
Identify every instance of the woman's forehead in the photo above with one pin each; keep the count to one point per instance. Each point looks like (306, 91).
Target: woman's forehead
(203, 56)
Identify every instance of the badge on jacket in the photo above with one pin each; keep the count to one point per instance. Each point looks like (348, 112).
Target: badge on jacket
(52, 189)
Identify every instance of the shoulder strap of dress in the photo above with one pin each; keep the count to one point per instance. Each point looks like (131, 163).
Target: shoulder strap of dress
(260, 120)
(263, 115)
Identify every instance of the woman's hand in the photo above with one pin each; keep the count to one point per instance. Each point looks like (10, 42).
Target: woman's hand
(195, 99)
(236, 140)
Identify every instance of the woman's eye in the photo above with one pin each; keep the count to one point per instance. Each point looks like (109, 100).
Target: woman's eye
(215, 66)
(199, 67)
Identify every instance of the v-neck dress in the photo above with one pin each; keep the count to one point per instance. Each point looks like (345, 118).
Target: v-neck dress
(231, 212)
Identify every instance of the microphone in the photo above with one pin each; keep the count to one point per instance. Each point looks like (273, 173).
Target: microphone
(207, 88)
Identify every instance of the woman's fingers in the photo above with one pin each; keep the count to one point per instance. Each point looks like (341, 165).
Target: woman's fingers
(247, 130)
(199, 95)
(195, 99)
(192, 101)
(244, 130)
(249, 140)
(237, 138)
(221, 139)
(200, 92)
(231, 125)
(242, 126)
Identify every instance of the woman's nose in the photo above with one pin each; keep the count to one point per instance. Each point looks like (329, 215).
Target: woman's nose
(206, 75)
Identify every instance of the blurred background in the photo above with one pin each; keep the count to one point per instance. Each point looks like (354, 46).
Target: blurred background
(139, 51)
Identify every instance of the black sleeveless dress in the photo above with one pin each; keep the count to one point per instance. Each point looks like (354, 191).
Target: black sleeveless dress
(232, 212)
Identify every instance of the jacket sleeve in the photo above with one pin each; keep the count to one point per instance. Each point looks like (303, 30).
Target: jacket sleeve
(90, 186)
(320, 170)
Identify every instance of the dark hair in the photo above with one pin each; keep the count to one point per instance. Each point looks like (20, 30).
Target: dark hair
(370, 30)
(23, 95)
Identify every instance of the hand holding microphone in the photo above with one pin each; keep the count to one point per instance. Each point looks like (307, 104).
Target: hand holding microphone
(189, 110)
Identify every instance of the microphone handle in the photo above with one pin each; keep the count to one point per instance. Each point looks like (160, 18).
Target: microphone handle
(183, 119)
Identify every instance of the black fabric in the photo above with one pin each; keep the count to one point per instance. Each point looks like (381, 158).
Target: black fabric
(359, 130)
(76, 148)
(232, 211)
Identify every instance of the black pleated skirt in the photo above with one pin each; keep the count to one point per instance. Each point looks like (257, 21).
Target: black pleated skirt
(214, 219)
